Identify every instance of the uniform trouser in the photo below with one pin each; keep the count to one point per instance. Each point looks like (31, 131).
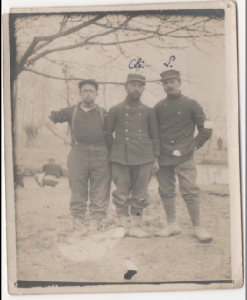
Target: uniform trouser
(131, 188)
(186, 173)
(89, 171)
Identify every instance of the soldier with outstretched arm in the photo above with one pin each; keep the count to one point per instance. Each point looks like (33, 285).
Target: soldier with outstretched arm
(177, 117)
(134, 154)
(88, 160)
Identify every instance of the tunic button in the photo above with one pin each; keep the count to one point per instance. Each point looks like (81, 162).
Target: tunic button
(172, 142)
(126, 114)
(127, 139)
(139, 138)
(139, 114)
(180, 103)
(140, 107)
(179, 113)
(127, 107)
(139, 131)
(127, 130)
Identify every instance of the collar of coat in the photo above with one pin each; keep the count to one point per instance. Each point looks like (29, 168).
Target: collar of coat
(174, 97)
(129, 101)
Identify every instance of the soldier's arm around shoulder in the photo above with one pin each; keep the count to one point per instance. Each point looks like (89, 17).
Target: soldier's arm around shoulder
(204, 126)
(110, 122)
(154, 131)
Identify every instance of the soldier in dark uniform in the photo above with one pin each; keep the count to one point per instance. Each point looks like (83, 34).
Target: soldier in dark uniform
(133, 153)
(177, 117)
(88, 160)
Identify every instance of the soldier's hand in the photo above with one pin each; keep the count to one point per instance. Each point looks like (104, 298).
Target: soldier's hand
(156, 166)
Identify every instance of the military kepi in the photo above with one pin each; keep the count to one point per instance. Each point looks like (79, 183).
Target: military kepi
(136, 77)
(170, 74)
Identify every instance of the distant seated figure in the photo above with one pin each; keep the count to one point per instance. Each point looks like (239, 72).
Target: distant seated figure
(219, 143)
(50, 175)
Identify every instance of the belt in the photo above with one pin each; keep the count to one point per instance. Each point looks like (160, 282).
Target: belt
(79, 145)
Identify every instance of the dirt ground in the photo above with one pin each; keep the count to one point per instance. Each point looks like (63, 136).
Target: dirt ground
(44, 226)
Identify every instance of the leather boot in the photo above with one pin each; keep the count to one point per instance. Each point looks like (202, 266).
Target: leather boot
(201, 234)
(170, 229)
(96, 226)
(135, 228)
(80, 229)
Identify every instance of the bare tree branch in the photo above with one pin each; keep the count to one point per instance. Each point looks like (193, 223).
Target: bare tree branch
(85, 42)
(38, 39)
(157, 33)
(146, 34)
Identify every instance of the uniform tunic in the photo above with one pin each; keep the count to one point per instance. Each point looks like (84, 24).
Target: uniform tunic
(177, 117)
(133, 150)
(88, 160)
(136, 133)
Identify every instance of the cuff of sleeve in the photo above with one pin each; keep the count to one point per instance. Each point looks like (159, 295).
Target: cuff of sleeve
(197, 145)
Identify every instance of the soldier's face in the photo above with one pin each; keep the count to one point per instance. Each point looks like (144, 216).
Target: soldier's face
(134, 89)
(88, 94)
(171, 86)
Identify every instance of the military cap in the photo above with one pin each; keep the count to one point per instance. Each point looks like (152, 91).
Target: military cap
(170, 74)
(89, 81)
(136, 77)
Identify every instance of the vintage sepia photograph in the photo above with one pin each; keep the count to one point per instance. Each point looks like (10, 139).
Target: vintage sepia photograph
(122, 169)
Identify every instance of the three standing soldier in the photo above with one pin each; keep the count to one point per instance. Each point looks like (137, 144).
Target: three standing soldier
(141, 146)
(177, 117)
(88, 160)
(133, 153)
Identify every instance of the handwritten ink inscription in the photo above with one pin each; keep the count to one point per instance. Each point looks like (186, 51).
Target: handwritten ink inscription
(137, 65)
(172, 58)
